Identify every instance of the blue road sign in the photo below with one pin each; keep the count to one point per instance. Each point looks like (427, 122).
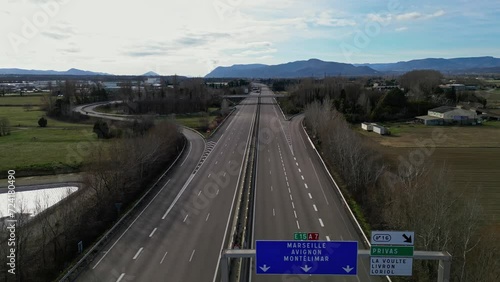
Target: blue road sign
(307, 257)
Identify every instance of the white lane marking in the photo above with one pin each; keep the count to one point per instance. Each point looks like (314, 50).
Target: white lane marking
(185, 218)
(293, 206)
(274, 213)
(178, 196)
(298, 226)
(285, 174)
(291, 197)
(294, 158)
(297, 164)
(138, 253)
(199, 193)
(269, 160)
(320, 186)
(153, 232)
(286, 177)
(208, 215)
(209, 175)
(321, 222)
(289, 191)
(271, 188)
(121, 277)
(341, 238)
(310, 196)
(221, 153)
(295, 213)
(190, 147)
(269, 172)
(163, 257)
(302, 176)
(217, 193)
(327, 238)
(130, 225)
(287, 184)
(315, 208)
(224, 174)
(192, 254)
(305, 184)
(300, 170)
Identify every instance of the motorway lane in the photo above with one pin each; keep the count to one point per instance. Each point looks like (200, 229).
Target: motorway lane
(302, 199)
(183, 243)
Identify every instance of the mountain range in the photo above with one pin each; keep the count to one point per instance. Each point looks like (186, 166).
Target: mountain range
(15, 71)
(318, 68)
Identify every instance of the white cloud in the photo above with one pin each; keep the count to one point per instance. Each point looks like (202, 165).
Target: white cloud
(403, 28)
(325, 18)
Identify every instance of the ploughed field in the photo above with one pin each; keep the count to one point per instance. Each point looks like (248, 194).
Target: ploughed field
(471, 154)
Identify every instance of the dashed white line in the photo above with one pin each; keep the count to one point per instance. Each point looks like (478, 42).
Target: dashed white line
(217, 193)
(289, 191)
(321, 222)
(295, 213)
(153, 232)
(199, 193)
(297, 164)
(271, 188)
(186, 218)
(293, 206)
(291, 197)
(192, 254)
(209, 175)
(298, 226)
(138, 253)
(294, 158)
(208, 215)
(274, 213)
(224, 174)
(305, 184)
(315, 208)
(302, 176)
(310, 196)
(216, 162)
(287, 184)
(163, 257)
(121, 277)
(327, 238)
(300, 170)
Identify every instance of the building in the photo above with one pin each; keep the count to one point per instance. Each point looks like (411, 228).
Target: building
(448, 115)
(375, 128)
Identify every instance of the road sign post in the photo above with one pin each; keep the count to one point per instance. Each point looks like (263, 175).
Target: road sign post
(306, 258)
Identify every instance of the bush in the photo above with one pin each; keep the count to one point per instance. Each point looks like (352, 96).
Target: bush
(4, 126)
(42, 122)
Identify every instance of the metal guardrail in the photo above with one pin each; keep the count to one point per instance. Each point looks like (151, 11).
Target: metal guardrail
(72, 273)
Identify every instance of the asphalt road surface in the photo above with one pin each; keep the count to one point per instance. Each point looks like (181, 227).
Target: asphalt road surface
(179, 235)
(295, 194)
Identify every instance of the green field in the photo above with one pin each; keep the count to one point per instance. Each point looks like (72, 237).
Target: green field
(31, 149)
(18, 100)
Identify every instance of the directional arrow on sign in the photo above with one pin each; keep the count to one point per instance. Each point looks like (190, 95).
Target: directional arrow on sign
(407, 238)
(265, 268)
(306, 268)
(348, 268)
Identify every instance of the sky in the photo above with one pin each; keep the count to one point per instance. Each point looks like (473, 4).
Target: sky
(192, 37)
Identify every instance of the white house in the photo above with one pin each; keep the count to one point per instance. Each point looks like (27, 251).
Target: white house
(448, 115)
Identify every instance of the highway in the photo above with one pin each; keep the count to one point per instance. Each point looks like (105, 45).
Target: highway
(180, 234)
(294, 192)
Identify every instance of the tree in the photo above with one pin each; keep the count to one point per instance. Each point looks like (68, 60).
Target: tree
(101, 128)
(4, 126)
(42, 122)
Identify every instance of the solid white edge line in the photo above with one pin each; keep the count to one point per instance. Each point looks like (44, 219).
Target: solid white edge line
(129, 226)
(185, 159)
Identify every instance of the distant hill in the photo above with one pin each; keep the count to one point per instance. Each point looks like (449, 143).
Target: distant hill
(151, 73)
(15, 71)
(309, 68)
(456, 65)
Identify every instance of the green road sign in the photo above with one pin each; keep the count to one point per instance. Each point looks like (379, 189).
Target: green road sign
(391, 251)
(300, 236)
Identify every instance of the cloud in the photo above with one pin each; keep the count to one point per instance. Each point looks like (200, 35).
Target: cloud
(59, 31)
(403, 28)
(325, 18)
(383, 19)
(417, 15)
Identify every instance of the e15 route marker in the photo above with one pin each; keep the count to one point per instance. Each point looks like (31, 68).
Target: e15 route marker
(307, 257)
